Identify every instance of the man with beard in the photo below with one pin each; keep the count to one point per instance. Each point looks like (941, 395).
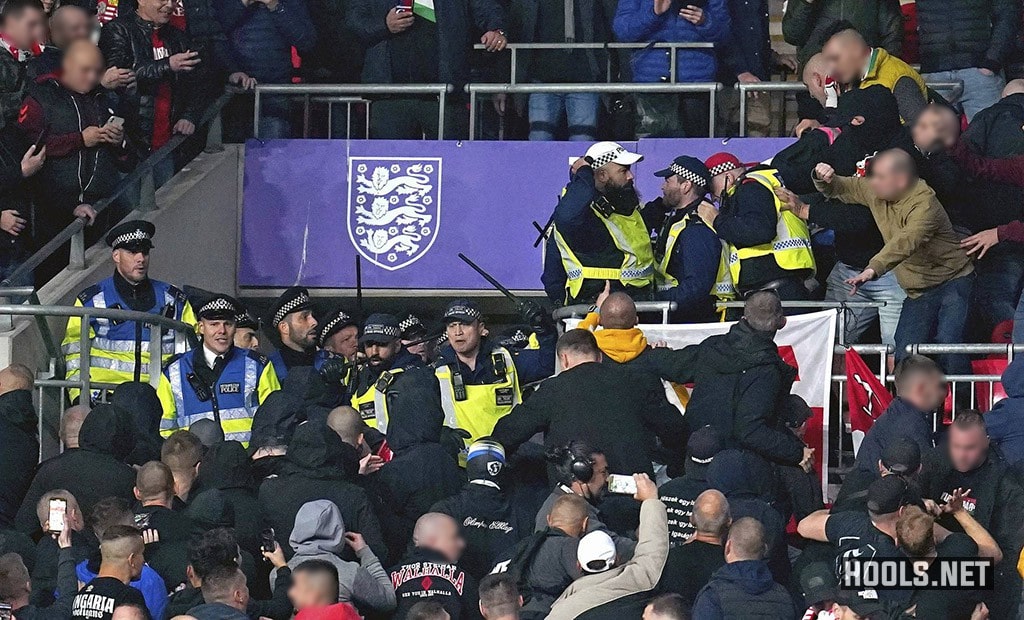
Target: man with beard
(385, 358)
(687, 250)
(768, 248)
(292, 317)
(598, 233)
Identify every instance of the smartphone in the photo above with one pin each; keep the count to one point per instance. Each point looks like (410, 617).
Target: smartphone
(268, 540)
(116, 121)
(142, 521)
(5, 611)
(700, 4)
(58, 510)
(621, 485)
(44, 135)
(404, 6)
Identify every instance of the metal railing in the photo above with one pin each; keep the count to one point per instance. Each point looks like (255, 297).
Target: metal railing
(672, 47)
(955, 89)
(578, 311)
(142, 176)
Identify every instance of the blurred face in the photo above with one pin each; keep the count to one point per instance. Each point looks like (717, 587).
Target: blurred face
(887, 182)
(612, 176)
(936, 128)
(465, 337)
(344, 343)
(156, 11)
(967, 448)
(247, 338)
(845, 61)
(379, 354)
(133, 266)
(70, 25)
(218, 335)
(448, 541)
(303, 594)
(299, 329)
(928, 392)
(25, 28)
(82, 71)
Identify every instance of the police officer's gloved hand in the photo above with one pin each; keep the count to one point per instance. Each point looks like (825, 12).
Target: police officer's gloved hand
(534, 315)
(454, 440)
(333, 371)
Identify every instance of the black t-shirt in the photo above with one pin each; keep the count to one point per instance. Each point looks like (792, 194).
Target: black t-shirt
(689, 568)
(951, 604)
(100, 596)
(678, 496)
(855, 536)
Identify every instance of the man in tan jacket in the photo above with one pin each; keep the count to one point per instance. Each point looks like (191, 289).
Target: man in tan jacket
(920, 247)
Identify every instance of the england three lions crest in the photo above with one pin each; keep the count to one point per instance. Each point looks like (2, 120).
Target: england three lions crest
(394, 208)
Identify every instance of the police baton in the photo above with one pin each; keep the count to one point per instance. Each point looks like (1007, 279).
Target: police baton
(531, 312)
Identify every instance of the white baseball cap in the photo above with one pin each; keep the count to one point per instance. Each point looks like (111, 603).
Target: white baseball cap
(604, 153)
(596, 552)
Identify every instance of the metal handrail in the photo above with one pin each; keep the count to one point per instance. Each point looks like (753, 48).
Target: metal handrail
(143, 174)
(577, 311)
(711, 88)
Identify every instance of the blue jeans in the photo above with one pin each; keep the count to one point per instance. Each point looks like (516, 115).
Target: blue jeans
(998, 288)
(885, 288)
(938, 316)
(579, 110)
(980, 90)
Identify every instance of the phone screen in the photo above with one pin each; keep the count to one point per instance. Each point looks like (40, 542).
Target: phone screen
(268, 540)
(621, 485)
(58, 510)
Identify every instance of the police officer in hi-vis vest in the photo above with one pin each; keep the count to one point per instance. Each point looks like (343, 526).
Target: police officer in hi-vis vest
(120, 349)
(598, 233)
(480, 380)
(385, 358)
(217, 381)
(689, 254)
(769, 249)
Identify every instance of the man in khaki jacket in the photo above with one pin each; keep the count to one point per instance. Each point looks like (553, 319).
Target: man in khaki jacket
(920, 247)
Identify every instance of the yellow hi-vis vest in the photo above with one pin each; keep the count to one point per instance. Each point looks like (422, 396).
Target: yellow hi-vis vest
(372, 404)
(477, 408)
(723, 288)
(791, 246)
(630, 236)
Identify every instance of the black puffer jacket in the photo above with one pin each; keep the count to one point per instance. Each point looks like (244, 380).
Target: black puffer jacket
(318, 465)
(92, 472)
(998, 130)
(19, 451)
(740, 382)
(957, 34)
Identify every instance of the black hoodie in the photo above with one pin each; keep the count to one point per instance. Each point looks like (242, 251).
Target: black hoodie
(740, 382)
(317, 397)
(144, 409)
(92, 472)
(318, 465)
(422, 471)
(226, 467)
(19, 451)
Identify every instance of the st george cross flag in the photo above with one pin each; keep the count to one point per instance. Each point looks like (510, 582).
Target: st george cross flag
(866, 396)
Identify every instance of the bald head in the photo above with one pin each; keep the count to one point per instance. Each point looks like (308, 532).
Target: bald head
(82, 67)
(618, 312)
(763, 312)
(569, 514)
(711, 513)
(846, 52)
(746, 541)
(1013, 87)
(815, 71)
(70, 23)
(71, 424)
(346, 422)
(440, 533)
(893, 174)
(15, 377)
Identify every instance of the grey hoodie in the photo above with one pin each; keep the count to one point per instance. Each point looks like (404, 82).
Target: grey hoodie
(319, 534)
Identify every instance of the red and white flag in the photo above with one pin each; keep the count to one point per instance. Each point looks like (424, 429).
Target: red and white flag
(866, 396)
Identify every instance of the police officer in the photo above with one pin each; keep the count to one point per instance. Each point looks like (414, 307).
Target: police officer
(769, 249)
(481, 380)
(338, 342)
(598, 232)
(414, 338)
(385, 358)
(217, 381)
(292, 317)
(247, 330)
(688, 251)
(120, 350)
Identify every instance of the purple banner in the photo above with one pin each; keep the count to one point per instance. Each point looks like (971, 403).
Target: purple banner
(408, 207)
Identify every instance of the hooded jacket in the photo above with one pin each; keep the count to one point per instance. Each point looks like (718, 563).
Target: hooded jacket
(276, 420)
(319, 534)
(19, 451)
(740, 382)
(144, 408)
(618, 592)
(422, 472)
(92, 472)
(318, 465)
(743, 590)
(1005, 422)
(226, 467)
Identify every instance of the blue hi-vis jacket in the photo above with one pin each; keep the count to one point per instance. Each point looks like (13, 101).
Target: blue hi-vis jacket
(247, 379)
(120, 350)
